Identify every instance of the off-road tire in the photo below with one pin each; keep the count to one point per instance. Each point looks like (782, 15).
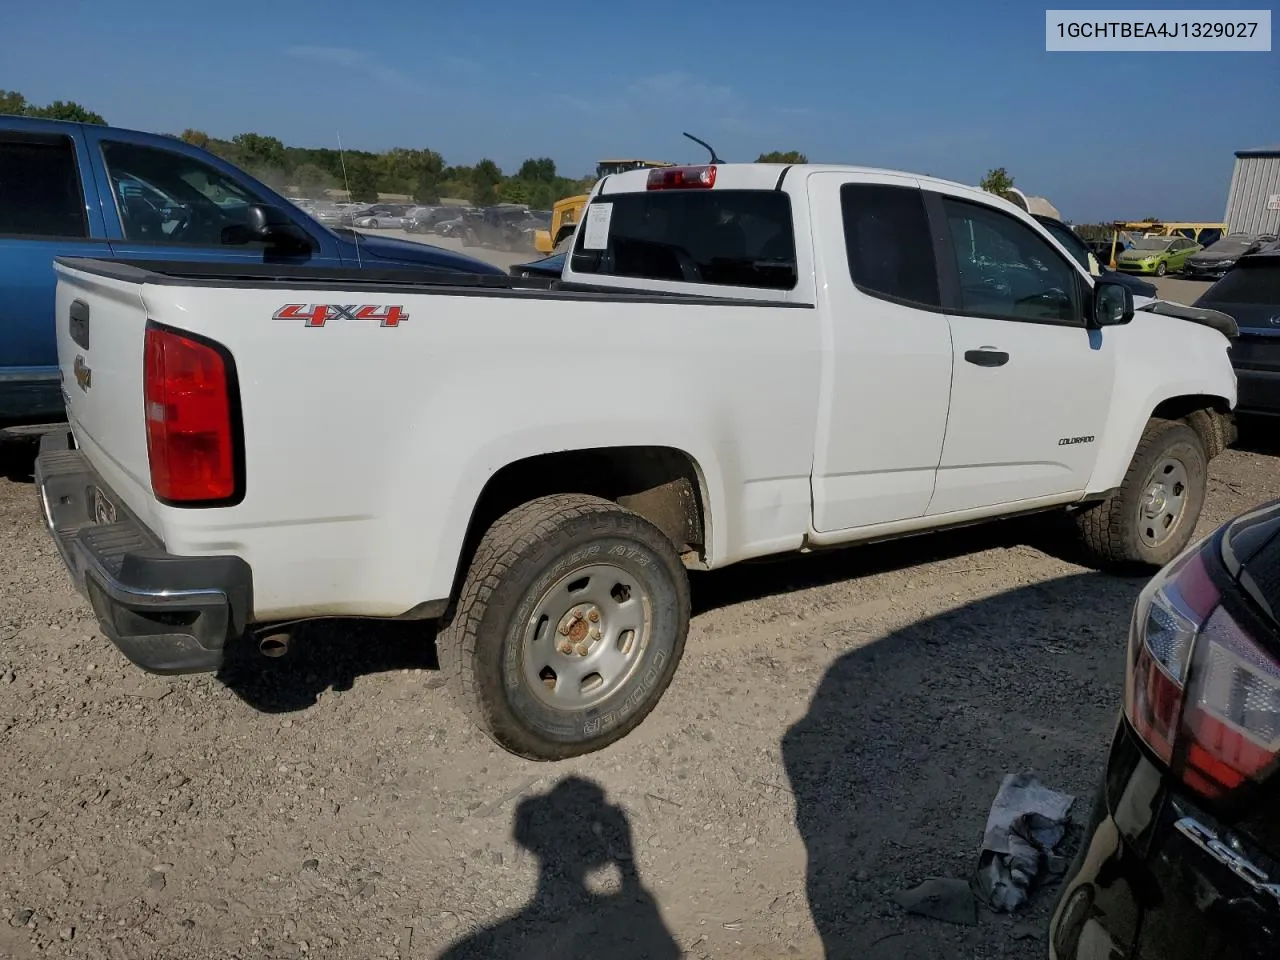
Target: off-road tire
(481, 646)
(1109, 530)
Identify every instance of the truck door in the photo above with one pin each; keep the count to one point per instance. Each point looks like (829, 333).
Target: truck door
(1032, 385)
(44, 213)
(887, 375)
(165, 203)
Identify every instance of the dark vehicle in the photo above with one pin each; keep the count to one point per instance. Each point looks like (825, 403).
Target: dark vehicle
(1102, 248)
(550, 267)
(1079, 249)
(1250, 293)
(1214, 261)
(424, 219)
(504, 227)
(383, 213)
(1181, 856)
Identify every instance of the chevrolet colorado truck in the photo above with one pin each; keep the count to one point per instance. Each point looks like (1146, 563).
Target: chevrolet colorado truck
(738, 361)
(83, 189)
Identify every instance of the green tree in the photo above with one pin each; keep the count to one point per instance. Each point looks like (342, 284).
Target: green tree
(12, 102)
(261, 152)
(66, 110)
(485, 180)
(311, 181)
(997, 181)
(514, 190)
(779, 156)
(541, 169)
(415, 172)
(197, 138)
(362, 180)
(1151, 220)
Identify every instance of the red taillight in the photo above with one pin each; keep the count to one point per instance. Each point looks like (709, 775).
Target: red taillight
(1202, 693)
(191, 443)
(681, 178)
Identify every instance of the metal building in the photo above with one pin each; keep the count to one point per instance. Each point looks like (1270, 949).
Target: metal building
(1253, 205)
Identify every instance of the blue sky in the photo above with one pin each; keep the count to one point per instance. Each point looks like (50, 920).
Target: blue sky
(939, 87)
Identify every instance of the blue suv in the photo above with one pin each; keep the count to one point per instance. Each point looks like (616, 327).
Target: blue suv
(72, 189)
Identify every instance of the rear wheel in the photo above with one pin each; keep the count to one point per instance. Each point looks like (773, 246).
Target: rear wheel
(1150, 519)
(571, 622)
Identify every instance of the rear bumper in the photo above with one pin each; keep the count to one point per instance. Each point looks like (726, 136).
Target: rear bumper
(167, 614)
(1194, 272)
(1146, 885)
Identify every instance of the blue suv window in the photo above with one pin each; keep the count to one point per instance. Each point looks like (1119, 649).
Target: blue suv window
(40, 192)
(168, 197)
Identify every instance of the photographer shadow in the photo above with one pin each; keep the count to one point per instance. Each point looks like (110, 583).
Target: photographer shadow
(573, 831)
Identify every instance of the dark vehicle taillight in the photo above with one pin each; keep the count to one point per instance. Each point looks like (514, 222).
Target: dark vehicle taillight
(189, 402)
(1201, 692)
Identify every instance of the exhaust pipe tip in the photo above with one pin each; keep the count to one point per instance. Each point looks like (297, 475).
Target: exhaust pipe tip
(273, 645)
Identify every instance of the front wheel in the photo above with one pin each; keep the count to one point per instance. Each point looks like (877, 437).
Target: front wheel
(1150, 519)
(1161, 269)
(570, 625)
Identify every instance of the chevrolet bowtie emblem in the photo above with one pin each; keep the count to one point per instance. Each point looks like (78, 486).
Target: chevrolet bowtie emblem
(84, 376)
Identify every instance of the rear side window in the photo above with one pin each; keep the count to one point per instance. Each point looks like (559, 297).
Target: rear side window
(40, 194)
(733, 238)
(1251, 283)
(887, 239)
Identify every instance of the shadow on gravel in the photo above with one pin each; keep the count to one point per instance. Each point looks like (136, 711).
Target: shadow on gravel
(574, 831)
(1258, 435)
(328, 655)
(791, 572)
(18, 458)
(906, 740)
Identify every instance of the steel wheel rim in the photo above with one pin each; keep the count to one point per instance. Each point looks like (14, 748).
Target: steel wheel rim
(586, 636)
(1163, 503)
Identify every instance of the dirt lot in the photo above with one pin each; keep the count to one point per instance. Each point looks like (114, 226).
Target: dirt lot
(849, 713)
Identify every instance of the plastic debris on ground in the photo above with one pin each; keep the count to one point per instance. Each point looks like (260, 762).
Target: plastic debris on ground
(942, 899)
(1027, 822)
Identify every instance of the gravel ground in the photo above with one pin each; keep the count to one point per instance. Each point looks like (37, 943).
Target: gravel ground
(848, 714)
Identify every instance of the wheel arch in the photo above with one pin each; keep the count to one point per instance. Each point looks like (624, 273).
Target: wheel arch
(666, 485)
(1205, 411)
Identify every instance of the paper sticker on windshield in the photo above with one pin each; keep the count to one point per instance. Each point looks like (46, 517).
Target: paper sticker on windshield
(596, 229)
(318, 314)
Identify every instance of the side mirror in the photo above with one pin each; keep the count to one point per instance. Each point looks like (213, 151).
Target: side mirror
(1112, 304)
(269, 225)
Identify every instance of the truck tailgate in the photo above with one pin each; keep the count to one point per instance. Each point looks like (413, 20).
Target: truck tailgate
(101, 330)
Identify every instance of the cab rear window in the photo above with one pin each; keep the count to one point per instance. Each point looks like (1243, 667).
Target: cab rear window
(733, 238)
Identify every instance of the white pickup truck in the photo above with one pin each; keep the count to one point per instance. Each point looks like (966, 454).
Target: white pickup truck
(739, 360)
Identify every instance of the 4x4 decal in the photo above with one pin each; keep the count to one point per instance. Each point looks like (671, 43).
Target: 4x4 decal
(318, 314)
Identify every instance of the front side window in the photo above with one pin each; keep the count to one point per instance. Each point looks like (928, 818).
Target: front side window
(1068, 238)
(40, 192)
(736, 238)
(167, 197)
(1006, 269)
(888, 243)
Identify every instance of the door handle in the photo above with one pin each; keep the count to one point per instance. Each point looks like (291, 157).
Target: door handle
(987, 357)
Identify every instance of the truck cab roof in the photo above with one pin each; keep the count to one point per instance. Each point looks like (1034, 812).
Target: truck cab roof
(770, 176)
